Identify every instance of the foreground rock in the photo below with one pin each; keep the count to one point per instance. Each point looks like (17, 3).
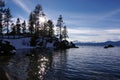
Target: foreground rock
(6, 48)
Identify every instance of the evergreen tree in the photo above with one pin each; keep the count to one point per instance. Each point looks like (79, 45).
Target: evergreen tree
(50, 28)
(18, 25)
(34, 19)
(38, 9)
(43, 24)
(13, 32)
(37, 12)
(8, 17)
(59, 27)
(31, 23)
(45, 32)
(2, 4)
(24, 27)
(13, 28)
(37, 31)
(64, 33)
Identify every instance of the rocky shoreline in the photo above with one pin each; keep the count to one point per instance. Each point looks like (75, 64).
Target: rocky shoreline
(10, 45)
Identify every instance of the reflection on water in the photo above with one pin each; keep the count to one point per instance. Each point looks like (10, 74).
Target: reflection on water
(85, 63)
(40, 62)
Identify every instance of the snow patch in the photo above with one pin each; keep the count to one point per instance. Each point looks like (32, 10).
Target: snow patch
(21, 43)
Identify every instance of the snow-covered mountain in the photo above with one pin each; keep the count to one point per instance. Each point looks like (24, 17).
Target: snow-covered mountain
(115, 43)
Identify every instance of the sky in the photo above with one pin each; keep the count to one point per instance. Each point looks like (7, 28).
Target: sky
(86, 20)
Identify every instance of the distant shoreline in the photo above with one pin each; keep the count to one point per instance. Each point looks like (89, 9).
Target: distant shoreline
(115, 43)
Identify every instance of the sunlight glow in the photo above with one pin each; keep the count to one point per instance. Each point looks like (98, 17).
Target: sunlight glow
(42, 19)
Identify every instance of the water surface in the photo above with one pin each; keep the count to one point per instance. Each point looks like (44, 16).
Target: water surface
(83, 63)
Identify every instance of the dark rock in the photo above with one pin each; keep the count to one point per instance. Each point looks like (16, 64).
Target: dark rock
(72, 45)
(3, 74)
(6, 48)
(109, 46)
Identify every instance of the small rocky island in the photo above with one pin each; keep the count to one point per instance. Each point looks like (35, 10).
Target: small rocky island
(108, 46)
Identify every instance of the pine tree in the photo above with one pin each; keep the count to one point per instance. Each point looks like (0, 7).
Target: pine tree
(13, 32)
(34, 23)
(43, 24)
(31, 23)
(37, 31)
(45, 32)
(2, 4)
(38, 9)
(13, 28)
(24, 27)
(18, 25)
(50, 28)
(64, 33)
(37, 12)
(59, 27)
(8, 17)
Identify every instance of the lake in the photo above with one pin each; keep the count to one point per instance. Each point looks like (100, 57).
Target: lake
(83, 63)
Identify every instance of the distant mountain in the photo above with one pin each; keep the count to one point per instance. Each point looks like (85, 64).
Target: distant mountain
(115, 43)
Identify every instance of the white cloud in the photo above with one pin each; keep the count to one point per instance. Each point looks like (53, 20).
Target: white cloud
(78, 31)
(99, 21)
(110, 14)
(90, 35)
(22, 5)
(113, 31)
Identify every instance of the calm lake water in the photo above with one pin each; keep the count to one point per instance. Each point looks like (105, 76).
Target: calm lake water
(83, 63)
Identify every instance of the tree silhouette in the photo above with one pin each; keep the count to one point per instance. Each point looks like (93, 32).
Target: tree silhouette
(24, 27)
(31, 23)
(2, 4)
(8, 17)
(64, 33)
(13, 28)
(59, 26)
(45, 32)
(50, 28)
(38, 9)
(34, 22)
(43, 24)
(18, 25)
(37, 12)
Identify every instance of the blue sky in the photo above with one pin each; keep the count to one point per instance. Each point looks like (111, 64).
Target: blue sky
(86, 20)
